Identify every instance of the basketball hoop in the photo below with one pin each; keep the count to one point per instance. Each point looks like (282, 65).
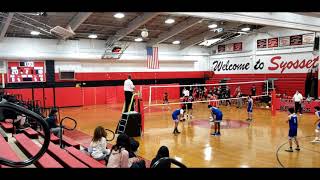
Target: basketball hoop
(112, 56)
(115, 51)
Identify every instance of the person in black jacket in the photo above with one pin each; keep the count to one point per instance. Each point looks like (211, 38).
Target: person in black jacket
(162, 152)
(52, 122)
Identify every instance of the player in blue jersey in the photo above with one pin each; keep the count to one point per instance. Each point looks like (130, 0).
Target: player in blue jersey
(317, 123)
(217, 117)
(293, 129)
(176, 116)
(249, 108)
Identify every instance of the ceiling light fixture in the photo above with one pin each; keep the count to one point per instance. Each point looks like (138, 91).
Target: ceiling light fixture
(144, 33)
(169, 21)
(240, 32)
(138, 39)
(35, 33)
(211, 26)
(92, 36)
(118, 15)
(176, 42)
(245, 29)
(209, 42)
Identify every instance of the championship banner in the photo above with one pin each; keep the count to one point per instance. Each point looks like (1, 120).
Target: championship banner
(295, 40)
(308, 38)
(284, 41)
(262, 43)
(229, 47)
(273, 42)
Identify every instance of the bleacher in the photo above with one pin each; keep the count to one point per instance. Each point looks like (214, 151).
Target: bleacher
(30, 141)
(7, 151)
(29, 144)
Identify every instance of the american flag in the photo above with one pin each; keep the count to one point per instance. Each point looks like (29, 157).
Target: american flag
(152, 58)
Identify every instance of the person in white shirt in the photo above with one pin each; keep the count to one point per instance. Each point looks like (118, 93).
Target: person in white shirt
(186, 92)
(297, 98)
(128, 92)
(97, 148)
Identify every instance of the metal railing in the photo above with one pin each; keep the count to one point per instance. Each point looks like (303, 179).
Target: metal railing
(46, 130)
(63, 127)
(131, 102)
(113, 134)
(168, 160)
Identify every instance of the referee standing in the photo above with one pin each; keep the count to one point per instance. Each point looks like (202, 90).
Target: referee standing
(297, 102)
(128, 92)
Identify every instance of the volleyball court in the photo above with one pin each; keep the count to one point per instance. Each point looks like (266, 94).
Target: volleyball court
(195, 98)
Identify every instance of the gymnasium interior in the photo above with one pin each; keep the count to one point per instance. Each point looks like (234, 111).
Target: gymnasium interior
(76, 64)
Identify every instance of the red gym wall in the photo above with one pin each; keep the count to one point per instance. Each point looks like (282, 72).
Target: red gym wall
(73, 96)
(82, 96)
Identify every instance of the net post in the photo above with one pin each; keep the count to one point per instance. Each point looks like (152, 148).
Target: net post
(141, 110)
(267, 87)
(150, 95)
(3, 83)
(273, 102)
(187, 113)
(141, 91)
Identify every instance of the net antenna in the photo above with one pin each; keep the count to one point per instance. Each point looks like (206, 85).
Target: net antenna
(2, 71)
(247, 85)
(114, 50)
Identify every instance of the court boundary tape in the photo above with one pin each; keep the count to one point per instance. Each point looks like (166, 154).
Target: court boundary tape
(278, 149)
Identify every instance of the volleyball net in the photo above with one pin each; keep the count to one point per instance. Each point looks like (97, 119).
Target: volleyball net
(223, 92)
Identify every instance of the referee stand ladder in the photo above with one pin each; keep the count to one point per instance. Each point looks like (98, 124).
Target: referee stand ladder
(136, 101)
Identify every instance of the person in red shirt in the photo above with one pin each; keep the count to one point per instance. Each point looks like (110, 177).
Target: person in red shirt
(213, 103)
(205, 93)
(166, 100)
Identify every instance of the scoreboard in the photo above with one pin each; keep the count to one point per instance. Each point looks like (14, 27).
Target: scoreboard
(26, 71)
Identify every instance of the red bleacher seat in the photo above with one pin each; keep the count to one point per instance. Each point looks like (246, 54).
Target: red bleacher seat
(64, 157)
(70, 142)
(7, 152)
(53, 138)
(6, 126)
(86, 159)
(31, 133)
(31, 149)
(103, 162)
(3, 134)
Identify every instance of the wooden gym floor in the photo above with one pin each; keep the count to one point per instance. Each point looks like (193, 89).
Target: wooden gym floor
(241, 144)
